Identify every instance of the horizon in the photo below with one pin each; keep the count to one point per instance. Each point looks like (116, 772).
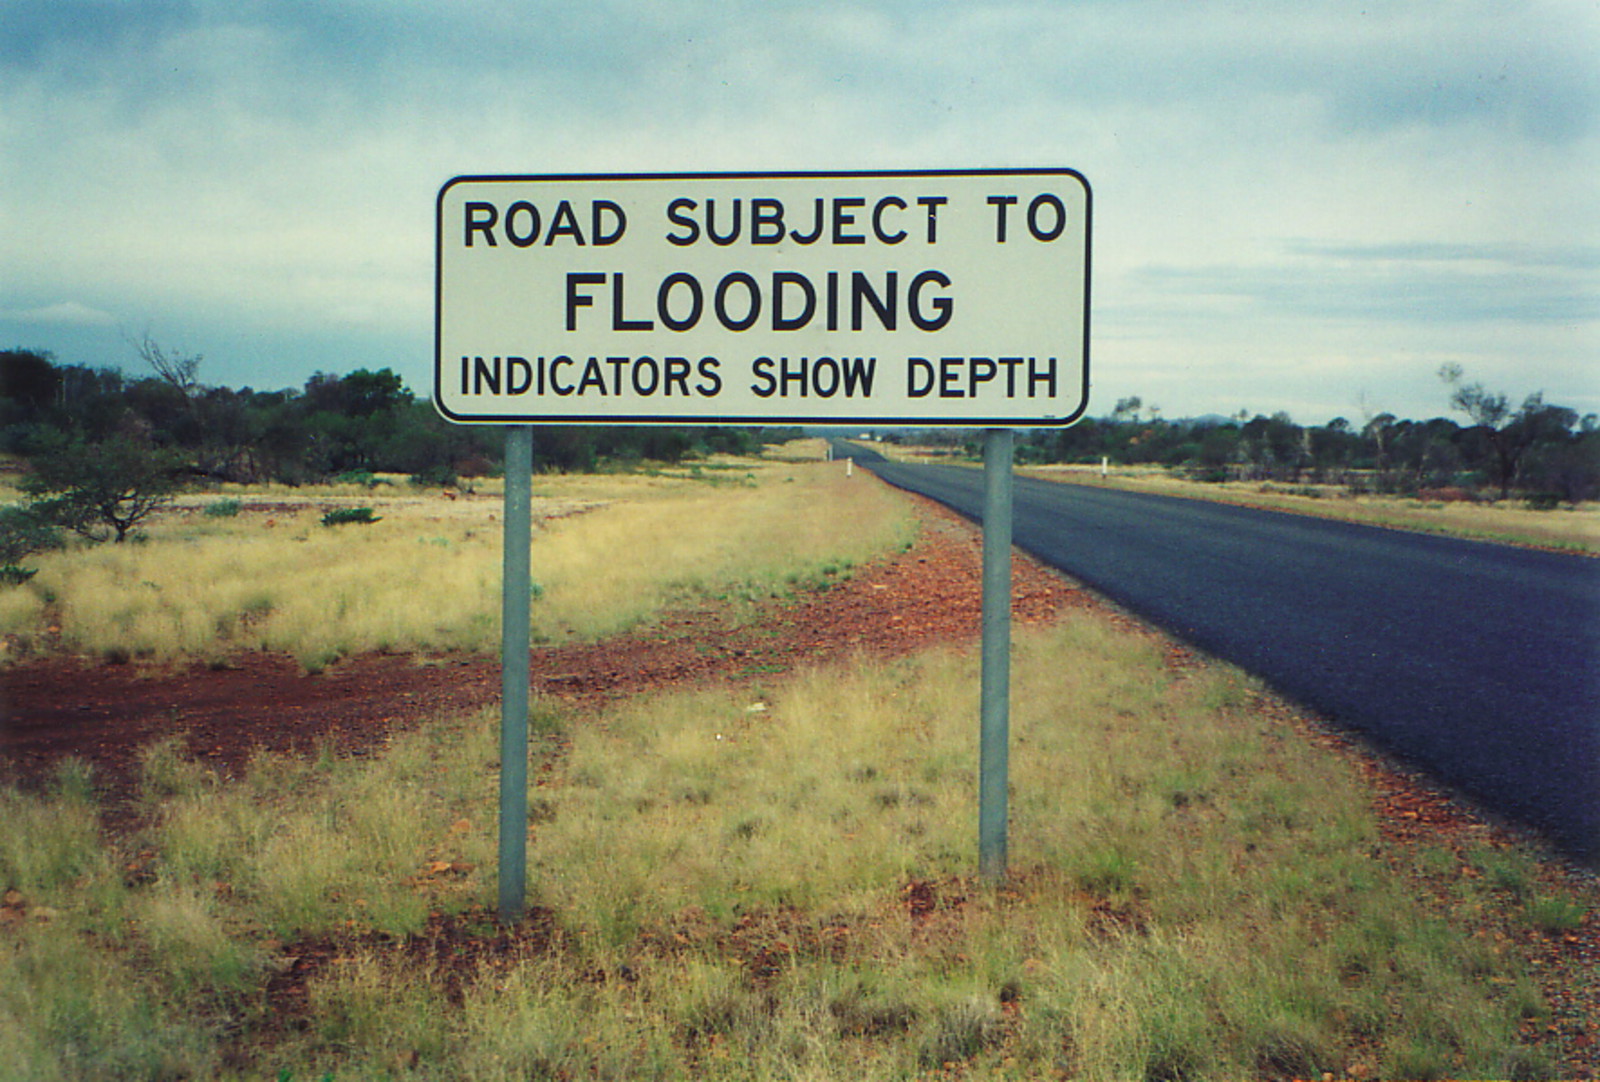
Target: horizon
(1143, 413)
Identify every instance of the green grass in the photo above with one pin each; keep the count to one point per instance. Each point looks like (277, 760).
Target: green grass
(774, 882)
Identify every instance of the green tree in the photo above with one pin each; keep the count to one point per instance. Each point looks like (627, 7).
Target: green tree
(1379, 432)
(1219, 449)
(22, 533)
(29, 380)
(103, 490)
(1569, 469)
(366, 392)
(1511, 432)
(30, 388)
(357, 422)
(1334, 447)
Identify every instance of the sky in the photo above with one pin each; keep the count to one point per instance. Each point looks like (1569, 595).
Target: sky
(1304, 207)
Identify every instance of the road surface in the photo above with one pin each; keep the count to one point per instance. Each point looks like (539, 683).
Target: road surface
(1477, 663)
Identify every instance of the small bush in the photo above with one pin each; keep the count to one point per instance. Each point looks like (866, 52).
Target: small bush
(223, 509)
(12, 575)
(435, 477)
(346, 515)
(1543, 501)
(23, 532)
(364, 478)
(101, 491)
(73, 780)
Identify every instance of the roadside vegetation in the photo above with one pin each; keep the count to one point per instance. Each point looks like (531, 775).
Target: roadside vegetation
(1574, 529)
(97, 453)
(1527, 474)
(1539, 452)
(764, 881)
(772, 882)
(321, 573)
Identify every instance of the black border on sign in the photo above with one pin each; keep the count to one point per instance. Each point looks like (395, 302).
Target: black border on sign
(722, 419)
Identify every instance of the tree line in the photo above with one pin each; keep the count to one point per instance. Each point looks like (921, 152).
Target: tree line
(368, 422)
(98, 450)
(1543, 453)
(361, 423)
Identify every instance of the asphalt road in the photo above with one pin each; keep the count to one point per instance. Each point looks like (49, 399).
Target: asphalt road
(1477, 663)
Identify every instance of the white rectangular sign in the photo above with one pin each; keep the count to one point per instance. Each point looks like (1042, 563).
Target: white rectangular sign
(886, 298)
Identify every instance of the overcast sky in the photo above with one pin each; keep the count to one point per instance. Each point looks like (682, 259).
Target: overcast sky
(1300, 206)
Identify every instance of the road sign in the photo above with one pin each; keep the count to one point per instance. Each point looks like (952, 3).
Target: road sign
(897, 298)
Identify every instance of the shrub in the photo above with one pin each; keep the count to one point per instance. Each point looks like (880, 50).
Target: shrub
(1543, 501)
(24, 532)
(103, 490)
(223, 509)
(435, 477)
(12, 575)
(345, 515)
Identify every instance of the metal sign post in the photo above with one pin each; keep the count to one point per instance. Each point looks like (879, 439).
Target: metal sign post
(995, 688)
(514, 636)
(911, 297)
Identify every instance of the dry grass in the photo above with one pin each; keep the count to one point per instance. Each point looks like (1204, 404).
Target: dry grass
(773, 883)
(427, 575)
(1195, 895)
(1574, 529)
(740, 883)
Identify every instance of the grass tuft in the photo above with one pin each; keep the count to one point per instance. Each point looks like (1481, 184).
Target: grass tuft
(1550, 913)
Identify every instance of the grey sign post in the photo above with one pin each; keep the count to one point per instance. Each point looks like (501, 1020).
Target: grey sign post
(515, 598)
(994, 724)
(949, 298)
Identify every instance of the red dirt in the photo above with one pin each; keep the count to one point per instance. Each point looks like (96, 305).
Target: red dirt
(105, 714)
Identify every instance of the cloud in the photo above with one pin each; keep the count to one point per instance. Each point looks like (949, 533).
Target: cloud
(265, 170)
(70, 313)
(1507, 254)
(1439, 283)
(1528, 69)
(38, 32)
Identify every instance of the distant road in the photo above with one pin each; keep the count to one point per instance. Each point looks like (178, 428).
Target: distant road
(1478, 663)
